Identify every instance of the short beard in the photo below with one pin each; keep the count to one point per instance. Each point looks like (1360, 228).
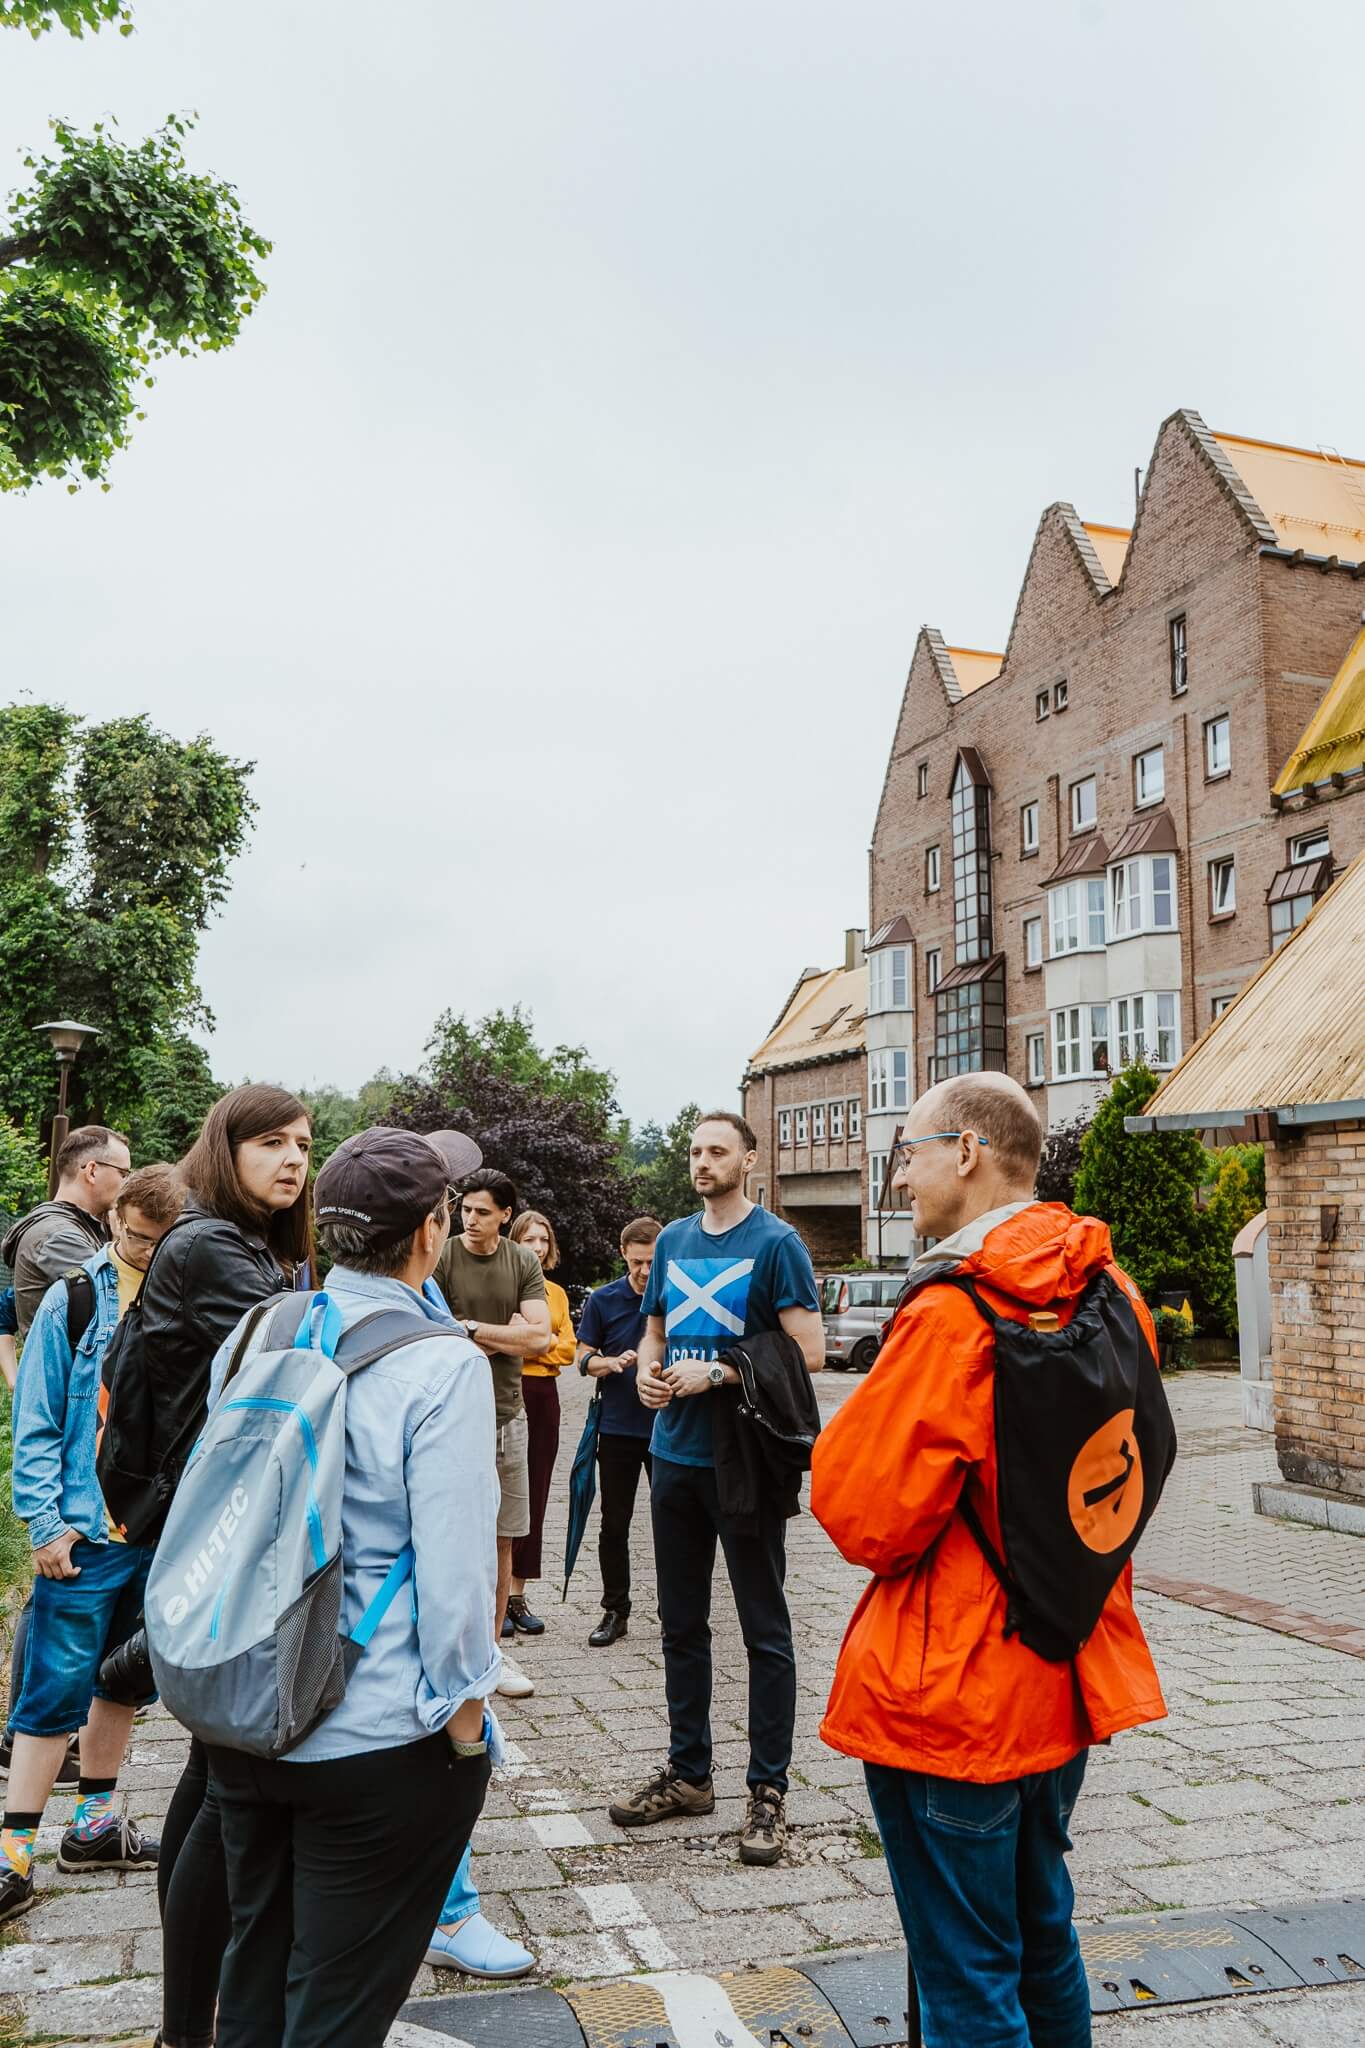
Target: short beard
(723, 1187)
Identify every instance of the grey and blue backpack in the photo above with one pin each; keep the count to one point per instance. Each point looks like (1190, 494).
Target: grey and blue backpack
(243, 1601)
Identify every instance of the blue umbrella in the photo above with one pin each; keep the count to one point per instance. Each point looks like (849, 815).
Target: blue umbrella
(582, 1487)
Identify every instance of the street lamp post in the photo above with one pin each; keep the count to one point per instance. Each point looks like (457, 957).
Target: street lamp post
(66, 1038)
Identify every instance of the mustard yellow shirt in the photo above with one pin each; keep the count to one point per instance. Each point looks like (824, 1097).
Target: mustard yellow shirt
(563, 1343)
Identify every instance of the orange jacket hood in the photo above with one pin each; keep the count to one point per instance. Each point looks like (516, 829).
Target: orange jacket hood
(926, 1678)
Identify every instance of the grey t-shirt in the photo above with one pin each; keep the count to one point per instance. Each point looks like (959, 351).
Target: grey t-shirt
(59, 1237)
(490, 1290)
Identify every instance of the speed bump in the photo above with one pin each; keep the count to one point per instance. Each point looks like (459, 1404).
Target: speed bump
(1169, 1958)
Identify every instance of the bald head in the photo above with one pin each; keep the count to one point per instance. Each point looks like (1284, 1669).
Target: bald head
(980, 1142)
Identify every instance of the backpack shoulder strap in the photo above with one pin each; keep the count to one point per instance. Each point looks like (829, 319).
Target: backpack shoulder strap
(375, 1335)
(254, 1318)
(80, 1306)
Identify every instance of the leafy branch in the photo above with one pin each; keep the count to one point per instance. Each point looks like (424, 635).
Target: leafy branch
(75, 16)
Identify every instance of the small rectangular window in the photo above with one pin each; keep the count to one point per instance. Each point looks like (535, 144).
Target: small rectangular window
(922, 779)
(1042, 705)
(1066, 1043)
(1167, 1031)
(1163, 892)
(887, 979)
(1033, 942)
(1036, 1048)
(933, 967)
(1314, 845)
(1149, 777)
(802, 1126)
(1099, 1038)
(1065, 909)
(1061, 695)
(1286, 916)
(855, 1117)
(1218, 747)
(784, 1127)
(817, 1123)
(1219, 1004)
(1094, 911)
(876, 1174)
(761, 1196)
(1222, 887)
(1179, 651)
(933, 875)
(1028, 828)
(1083, 812)
(836, 1122)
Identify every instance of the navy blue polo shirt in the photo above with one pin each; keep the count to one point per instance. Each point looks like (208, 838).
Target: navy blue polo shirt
(613, 1321)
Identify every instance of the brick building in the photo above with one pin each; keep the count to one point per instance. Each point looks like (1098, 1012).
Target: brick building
(803, 1094)
(1078, 858)
(1287, 1062)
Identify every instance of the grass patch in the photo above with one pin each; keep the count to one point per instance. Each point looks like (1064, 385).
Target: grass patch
(868, 1840)
(1138, 1799)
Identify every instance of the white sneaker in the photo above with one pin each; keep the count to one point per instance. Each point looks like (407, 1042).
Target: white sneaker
(514, 1684)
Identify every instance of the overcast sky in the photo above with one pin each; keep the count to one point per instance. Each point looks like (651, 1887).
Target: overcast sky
(632, 382)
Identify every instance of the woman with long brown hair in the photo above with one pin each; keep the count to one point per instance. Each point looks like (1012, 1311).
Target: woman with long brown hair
(245, 1234)
(540, 1392)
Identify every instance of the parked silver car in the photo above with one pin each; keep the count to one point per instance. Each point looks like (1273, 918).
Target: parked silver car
(856, 1308)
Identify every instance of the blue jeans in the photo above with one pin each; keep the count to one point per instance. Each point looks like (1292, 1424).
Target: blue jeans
(985, 1899)
(462, 1900)
(74, 1625)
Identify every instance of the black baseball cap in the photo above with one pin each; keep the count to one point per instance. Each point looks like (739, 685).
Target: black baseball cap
(382, 1182)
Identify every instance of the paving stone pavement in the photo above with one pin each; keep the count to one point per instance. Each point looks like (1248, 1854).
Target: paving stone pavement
(1251, 1793)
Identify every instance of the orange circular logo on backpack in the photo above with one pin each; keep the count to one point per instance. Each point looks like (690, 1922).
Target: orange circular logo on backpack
(1104, 1493)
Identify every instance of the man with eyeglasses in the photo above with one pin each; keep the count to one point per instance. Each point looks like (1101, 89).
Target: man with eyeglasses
(57, 1235)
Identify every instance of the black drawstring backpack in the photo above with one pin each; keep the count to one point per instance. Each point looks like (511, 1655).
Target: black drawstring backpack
(1084, 1441)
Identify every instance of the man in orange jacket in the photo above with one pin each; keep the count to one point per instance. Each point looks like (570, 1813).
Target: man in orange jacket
(974, 1747)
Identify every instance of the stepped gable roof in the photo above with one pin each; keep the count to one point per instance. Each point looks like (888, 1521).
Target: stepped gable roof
(1088, 856)
(1290, 1044)
(823, 1020)
(1153, 833)
(1334, 742)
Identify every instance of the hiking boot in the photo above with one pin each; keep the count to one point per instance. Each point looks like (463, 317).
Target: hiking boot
(16, 1893)
(523, 1621)
(764, 1834)
(665, 1796)
(609, 1630)
(119, 1846)
(69, 1775)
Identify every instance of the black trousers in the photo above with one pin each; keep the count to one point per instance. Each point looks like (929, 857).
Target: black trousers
(687, 1525)
(540, 1396)
(191, 1883)
(620, 1461)
(337, 1872)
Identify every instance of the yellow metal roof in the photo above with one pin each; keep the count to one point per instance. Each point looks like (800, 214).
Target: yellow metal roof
(1314, 498)
(1295, 1036)
(1111, 545)
(825, 1015)
(973, 667)
(1334, 743)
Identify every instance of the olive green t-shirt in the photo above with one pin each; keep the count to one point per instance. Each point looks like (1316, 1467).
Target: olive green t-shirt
(491, 1290)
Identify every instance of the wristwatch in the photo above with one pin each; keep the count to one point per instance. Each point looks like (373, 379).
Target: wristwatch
(479, 1748)
(716, 1374)
(470, 1329)
(586, 1360)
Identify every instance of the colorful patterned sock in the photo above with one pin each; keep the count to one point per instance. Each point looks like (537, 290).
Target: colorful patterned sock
(16, 1842)
(94, 1808)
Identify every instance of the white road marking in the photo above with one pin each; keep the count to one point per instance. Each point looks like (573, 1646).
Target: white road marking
(559, 1830)
(698, 2010)
(612, 1905)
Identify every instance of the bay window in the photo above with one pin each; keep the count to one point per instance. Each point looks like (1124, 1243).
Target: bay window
(1066, 1043)
(1064, 910)
(1094, 910)
(1148, 1028)
(887, 980)
(1035, 1047)
(1142, 895)
(888, 1079)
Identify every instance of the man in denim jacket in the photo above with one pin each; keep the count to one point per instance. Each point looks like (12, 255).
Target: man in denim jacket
(87, 1594)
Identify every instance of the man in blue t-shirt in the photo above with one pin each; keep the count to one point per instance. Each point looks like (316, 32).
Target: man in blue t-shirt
(609, 1333)
(731, 1271)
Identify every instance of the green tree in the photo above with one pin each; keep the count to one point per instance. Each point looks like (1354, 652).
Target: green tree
(1233, 1203)
(664, 1181)
(337, 1115)
(178, 1091)
(116, 255)
(506, 1040)
(1143, 1186)
(75, 16)
(23, 1174)
(116, 843)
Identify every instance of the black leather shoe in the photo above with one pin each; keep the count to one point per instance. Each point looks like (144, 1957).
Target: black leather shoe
(609, 1629)
(523, 1622)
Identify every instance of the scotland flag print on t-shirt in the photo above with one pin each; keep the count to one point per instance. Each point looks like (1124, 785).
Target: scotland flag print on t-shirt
(710, 1288)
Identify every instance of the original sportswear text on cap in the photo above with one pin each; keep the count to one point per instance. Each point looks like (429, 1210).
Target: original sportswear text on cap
(384, 1181)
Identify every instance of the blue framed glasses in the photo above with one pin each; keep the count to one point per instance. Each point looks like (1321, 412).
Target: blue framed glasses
(907, 1145)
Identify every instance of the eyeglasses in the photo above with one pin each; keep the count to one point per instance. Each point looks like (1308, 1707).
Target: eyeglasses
(140, 1237)
(907, 1145)
(117, 1164)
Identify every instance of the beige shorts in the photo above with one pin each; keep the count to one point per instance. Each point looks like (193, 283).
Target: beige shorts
(514, 1509)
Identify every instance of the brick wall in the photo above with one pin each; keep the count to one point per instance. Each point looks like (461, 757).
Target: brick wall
(766, 1094)
(1317, 1304)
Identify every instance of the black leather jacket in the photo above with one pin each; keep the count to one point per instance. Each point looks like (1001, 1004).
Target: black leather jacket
(205, 1276)
(764, 1430)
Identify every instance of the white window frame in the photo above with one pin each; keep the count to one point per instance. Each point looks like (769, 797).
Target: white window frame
(1223, 885)
(933, 870)
(1064, 919)
(1147, 1027)
(1035, 1058)
(888, 980)
(1042, 705)
(855, 1117)
(888, 1078)
(1033, 942)
(803, 1126)
(1061, 694)
(876, 1174)
(1218, 747)
(1218, 1004)
(1306, 846)
(1167, 1029)
(817, 1123)
(1028, 827)
(1066, 1042)
(1178, 653)
(1096, 919)
(1079, 822)
(1134, 896)
(922, 779)
(933, 967)
(1149, 777)
(784, 1128)
(1097, 1033)
(836, 1123)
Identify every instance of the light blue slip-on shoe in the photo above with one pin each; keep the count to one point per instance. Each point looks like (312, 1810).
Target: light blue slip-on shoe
(479, 1950)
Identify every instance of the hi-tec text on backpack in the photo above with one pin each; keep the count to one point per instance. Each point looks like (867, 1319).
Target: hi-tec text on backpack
(243, 1601)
